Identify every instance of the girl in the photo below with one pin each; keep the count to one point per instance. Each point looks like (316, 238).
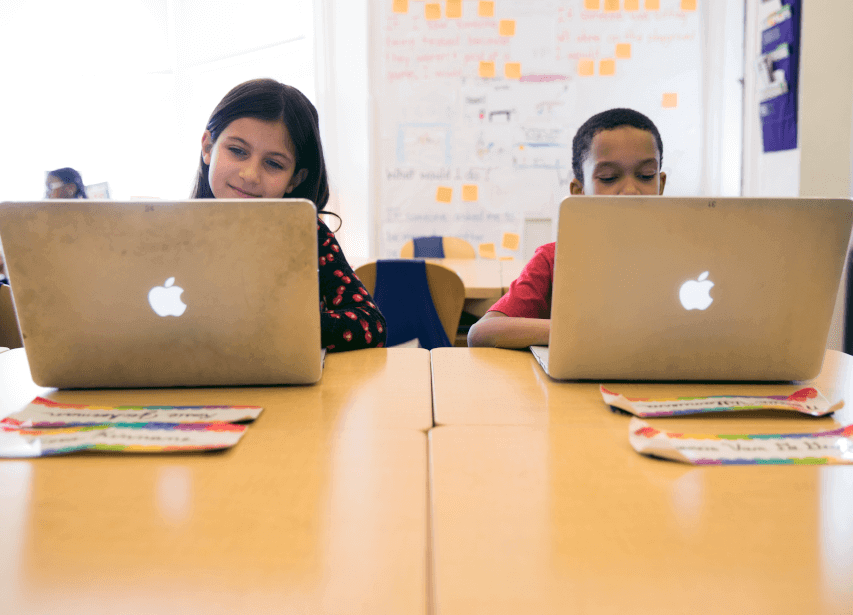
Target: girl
(263, 141)
(65, 183)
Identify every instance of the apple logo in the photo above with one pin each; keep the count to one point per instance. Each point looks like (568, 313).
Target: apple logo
(166, 300)
(695, 294)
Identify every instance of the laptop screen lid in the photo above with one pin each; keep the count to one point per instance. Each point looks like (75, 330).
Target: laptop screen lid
(678, 288)
(186, 293)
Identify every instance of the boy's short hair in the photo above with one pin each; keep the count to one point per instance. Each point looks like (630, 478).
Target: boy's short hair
(608, 120)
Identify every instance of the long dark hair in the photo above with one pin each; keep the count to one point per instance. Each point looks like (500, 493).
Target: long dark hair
(67, 175)
(269, 100)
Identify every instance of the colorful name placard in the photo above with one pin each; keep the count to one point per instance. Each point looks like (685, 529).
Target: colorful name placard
(43, 412)
(45, 427)
(806, 401)
(123, 438)
(819, 448)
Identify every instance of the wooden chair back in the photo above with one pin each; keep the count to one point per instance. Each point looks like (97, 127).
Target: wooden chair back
(445, 286)
(454, 247)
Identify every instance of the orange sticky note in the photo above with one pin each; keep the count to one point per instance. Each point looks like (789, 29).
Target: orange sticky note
(432, 10)
(510, 241)
(586, 68)
(670, 100)
(632, 5)
(607, 67)
(401, 6)
(591, 5)
(507, 258)
(486, 8)
(623, 50)
(611, 5)
(652, 5)
(507, 27)
(487, 69)
(512, 70)
(487, 250)
(444, 194)
(469, 192)
(453, 9)
(688, 5)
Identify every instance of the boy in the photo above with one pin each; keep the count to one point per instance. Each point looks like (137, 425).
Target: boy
(614, 152)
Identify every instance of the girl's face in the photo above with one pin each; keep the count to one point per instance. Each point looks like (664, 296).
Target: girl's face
(55, 188)
(251, 159)
(624, 160)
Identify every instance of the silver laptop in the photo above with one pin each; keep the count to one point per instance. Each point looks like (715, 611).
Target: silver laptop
(671, 288)
(154, 294)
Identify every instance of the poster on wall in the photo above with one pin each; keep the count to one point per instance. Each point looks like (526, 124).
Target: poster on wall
(478, 102)
(778, 73)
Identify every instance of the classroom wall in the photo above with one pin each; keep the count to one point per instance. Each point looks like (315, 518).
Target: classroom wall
(121, 91)
(352, 134)
(341, 40)
(826, 99)
(826, 103)
(823, 163)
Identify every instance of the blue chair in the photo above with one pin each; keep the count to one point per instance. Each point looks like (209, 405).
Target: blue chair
(437, 247)
(419, 300)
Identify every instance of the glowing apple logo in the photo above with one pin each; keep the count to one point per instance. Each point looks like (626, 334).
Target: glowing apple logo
(695, 294)
(166, 300)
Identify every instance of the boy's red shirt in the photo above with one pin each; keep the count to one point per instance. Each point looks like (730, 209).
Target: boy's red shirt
(529, 296)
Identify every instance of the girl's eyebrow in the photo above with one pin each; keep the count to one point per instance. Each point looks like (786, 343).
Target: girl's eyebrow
(248, 145)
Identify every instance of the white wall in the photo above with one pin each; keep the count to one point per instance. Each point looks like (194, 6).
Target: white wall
(723, 31)
(342, 28)
(826, 99)
(826, 115)
(121, 90)
(774, 173)
(823, 164)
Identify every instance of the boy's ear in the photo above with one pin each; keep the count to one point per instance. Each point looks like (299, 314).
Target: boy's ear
(576, 188)
(206, 146)
(297, 179)
(662, 181)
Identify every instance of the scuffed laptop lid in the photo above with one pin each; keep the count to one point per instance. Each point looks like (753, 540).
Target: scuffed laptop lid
(187, 293)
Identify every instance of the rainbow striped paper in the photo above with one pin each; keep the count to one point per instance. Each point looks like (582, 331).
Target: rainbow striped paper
(118, 438)
(806, 401)
(819, 448)
(43, 412)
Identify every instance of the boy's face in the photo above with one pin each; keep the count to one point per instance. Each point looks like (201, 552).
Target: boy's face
(621, 161)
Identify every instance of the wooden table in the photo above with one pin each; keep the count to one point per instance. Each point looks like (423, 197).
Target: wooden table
(321, 508)
(482, 279)
(539, 503)
(490, 386)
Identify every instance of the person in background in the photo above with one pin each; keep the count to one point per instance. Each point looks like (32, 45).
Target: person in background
(616, 152)
(263, 141)
(65, 183)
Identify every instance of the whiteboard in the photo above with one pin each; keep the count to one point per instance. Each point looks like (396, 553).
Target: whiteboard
(476, 105)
